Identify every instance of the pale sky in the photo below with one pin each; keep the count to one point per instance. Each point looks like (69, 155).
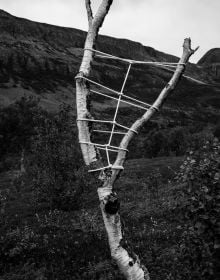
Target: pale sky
(161, 24)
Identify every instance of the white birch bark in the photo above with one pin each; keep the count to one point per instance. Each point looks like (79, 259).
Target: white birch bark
(187, 52)
(129, 265)
(131, 268)
(90, 154)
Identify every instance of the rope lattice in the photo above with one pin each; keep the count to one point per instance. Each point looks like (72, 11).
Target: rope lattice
(121, 98)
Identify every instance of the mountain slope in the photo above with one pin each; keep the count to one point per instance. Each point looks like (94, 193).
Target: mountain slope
(212, 56)
(211, 62)
(41, 59)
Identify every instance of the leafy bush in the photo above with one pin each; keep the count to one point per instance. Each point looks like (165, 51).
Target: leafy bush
(55, 164)
(175, 141)
(199, 246)
(17, 125)
(217, 131)
(55, 246)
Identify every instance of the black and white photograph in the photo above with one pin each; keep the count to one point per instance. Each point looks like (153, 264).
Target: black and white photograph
(109, 139)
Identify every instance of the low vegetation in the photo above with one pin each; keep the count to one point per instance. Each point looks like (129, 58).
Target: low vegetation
(51, 226)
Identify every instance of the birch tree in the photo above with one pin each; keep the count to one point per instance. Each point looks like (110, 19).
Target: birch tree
(128, 263)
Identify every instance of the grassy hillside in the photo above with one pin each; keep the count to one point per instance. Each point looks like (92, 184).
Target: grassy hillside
(51, 225)
(42, 243)
(37, 239)
(41, 59)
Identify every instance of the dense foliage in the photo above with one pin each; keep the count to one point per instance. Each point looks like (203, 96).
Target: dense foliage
(51, 226)
(200, 243)
(17, 125)
(55, 162)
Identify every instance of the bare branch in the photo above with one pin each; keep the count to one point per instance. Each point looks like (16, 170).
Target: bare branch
(90, 153)
(92, 34)
(187, 52)
(89, 11)
(101, 13)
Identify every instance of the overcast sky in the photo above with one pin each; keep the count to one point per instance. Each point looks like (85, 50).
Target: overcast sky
(161, 24)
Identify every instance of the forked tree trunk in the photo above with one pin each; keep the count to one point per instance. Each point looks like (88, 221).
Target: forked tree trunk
(128, 264)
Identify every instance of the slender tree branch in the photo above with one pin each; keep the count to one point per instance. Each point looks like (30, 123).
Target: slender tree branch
(187, 52)
(100, 16)
(89, 11)
(92, 35)
(90, 153)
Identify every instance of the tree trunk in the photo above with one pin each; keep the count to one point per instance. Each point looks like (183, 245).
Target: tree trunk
(129, 264)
